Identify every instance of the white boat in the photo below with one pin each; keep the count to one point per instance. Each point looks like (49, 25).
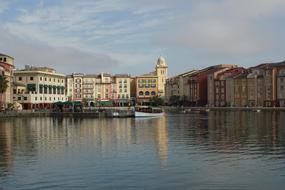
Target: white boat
(146, 111)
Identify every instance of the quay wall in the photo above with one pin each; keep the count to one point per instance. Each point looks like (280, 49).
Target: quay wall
(95, 113)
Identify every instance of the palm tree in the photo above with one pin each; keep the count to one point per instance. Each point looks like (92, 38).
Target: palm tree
(3, 88)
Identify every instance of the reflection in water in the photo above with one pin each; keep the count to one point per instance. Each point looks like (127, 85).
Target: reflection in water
(216, 150)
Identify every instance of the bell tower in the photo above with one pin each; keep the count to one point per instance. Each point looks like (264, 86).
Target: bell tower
(161, 70)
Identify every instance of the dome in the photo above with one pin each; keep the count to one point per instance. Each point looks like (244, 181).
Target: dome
(161, 61)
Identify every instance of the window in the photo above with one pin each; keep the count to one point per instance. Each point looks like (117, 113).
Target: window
(41, 78)
(5, 59)
(45, 79)
(36, 98)
(153, 93)
(31, 78)
(20, 78)
(41, 98)
(19, 98)
(147, 93)
(141, 93)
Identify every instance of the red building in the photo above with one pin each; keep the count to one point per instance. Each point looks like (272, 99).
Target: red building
(198, 84)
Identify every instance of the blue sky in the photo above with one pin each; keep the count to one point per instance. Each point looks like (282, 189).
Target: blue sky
(127, 36)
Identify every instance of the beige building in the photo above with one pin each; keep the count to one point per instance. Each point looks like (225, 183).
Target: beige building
(122, 94)
(38, 87)
(240, 91)
(281, 84)
(255, 86)
(152, 84)
(6, 70)
(178, 87)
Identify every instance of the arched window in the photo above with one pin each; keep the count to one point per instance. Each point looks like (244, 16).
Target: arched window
(141, 93)
(147, 93)
(153, 93)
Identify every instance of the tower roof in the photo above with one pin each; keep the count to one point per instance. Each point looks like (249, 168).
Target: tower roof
(161, 62)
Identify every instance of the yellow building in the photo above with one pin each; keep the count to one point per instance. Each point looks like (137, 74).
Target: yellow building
(6, 70)
(152, 84)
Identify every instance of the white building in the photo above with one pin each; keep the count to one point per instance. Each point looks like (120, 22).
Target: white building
(38, 87)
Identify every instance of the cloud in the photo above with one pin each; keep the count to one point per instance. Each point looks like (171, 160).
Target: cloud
(230, 27)
(65, 60)
(131, 34)
(4, 4)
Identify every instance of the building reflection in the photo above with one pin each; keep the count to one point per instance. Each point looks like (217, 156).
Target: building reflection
(6, 150)
(161, 137)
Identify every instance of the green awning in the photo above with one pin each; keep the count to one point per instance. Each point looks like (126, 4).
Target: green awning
(105, 103)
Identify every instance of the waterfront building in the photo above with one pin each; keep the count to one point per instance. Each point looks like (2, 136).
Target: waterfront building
(270, 73)
(6, 70)
(99, 88)
(255, 86)
(215, 87)
(38, 87)
(122, 88)
(176, 87)
(240, 90)
(198, 84)
(281, 84)
(152, 84)
(146, 88)
(223, 85)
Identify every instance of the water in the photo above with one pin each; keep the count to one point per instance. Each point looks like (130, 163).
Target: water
(217, 150)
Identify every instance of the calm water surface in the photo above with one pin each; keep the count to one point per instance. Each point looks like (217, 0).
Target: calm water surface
(218, 150)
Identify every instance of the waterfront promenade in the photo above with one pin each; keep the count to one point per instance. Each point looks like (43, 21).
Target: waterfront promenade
(123, 112)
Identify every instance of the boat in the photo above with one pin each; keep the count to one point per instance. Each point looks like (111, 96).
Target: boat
(147, 111)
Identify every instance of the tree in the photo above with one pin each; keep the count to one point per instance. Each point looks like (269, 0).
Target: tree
(174, 100)
(3, 84)
(3, 88)
(85, 102)
(157, 101)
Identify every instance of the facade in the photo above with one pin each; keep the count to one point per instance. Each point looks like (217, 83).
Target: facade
(152, 84)
(177, 87)
(122, 89)
(281, 87)
(223, 91)
(38, 87)
(146, 88)
(6, 70)
(255, 86)
(94, 88)
(201, 84)
(270, 74)
(240, 90)
(216, 88)
(280, 84)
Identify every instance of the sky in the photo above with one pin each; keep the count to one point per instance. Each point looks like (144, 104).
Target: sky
(128, 36)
